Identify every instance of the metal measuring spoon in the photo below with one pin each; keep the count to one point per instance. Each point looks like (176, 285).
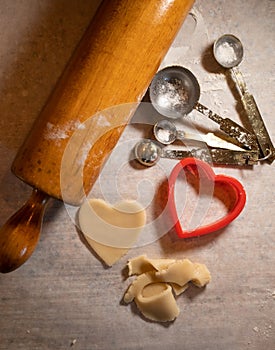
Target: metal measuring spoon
(165, 132)
(149, 153)
(175, 92)
(228, 51)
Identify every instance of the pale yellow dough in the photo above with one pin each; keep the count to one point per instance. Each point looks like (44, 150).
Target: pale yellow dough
(160, 305)
(153, 289)
(109, 255)
(141, 264)
(111, 230)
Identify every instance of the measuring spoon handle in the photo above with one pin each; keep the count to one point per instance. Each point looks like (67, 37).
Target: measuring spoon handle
(20, 234)
(217, 156)
(258, 126)
(239, 134)
(210, 139)
(254, 116)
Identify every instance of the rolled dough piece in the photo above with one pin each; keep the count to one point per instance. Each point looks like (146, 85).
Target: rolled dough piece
(111, 230)
(142, 264)
(152, 290)
(109, 255)
(154, 296)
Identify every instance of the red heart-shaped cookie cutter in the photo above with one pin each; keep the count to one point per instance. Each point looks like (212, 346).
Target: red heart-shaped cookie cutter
(236, 193)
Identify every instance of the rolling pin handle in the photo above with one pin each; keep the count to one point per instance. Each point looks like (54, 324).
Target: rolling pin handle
(20, 234)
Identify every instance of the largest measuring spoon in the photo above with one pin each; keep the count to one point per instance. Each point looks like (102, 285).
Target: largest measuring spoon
(228, 51)
(175, 92)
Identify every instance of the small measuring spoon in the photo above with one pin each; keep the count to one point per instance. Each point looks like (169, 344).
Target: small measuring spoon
(148, 153)
(165, 132)
(228, 51)
(174, 93)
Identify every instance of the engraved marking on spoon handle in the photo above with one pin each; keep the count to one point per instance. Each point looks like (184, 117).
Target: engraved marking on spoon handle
(254, 116)
(218, 156)
(242, 136)
(238, 79)
(230, 157)
(258, 126)
(208, 113)
(175, 154)
(200, 153)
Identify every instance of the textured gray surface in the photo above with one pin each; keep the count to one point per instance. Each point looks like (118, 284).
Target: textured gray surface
(63, 293)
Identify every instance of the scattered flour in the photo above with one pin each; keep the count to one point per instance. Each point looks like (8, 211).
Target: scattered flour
(54, 132)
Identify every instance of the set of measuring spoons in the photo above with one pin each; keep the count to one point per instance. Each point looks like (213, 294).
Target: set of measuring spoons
(175, 92)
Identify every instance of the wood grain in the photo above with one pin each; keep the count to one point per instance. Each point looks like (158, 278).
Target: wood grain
(113, 64)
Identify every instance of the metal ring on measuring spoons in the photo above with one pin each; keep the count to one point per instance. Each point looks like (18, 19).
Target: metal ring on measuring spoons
(267, 156)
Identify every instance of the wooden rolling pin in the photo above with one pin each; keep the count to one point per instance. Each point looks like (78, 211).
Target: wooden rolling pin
(113, 64)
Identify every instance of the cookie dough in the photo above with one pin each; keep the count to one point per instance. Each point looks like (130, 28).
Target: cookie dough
(111, 230)
(141, 264)
(157, 282)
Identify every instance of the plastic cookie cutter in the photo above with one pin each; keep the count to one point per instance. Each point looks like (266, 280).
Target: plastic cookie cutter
(199, 168)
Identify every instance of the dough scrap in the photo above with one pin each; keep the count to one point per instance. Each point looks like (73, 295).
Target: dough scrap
(141, 264)
(111, 230)
(150, 305)
(152, 290)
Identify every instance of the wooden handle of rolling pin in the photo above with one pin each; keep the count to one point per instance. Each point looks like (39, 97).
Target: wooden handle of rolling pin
(113, 64)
